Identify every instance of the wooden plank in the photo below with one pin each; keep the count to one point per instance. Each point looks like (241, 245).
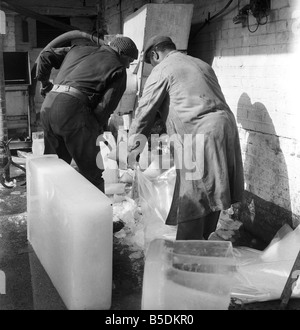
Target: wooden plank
(68, 8)
(65, 11)
(15, 145)
(288, 289)
(32, 14)
(2, 22)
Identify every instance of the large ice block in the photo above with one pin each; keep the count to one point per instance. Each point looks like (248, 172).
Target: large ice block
(188, 275)
(70, 228)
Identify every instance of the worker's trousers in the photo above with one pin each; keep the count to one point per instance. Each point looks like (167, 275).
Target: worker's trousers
(71, 131)
(198, 229)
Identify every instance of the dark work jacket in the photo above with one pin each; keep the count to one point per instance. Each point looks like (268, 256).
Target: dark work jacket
(97, 72)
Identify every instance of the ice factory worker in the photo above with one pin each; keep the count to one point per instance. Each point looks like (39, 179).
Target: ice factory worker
(185, 92)
(89, 85)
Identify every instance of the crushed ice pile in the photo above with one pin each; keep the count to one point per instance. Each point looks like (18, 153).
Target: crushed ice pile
(132, 234)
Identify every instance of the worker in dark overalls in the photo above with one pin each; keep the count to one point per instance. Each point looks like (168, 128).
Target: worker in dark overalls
(89, 85)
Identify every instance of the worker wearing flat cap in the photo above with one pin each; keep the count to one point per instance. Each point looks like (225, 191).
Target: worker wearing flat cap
(88, 87)
(186, 93)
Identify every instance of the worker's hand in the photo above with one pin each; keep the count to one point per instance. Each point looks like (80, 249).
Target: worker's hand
(133, 158)
(46, 88)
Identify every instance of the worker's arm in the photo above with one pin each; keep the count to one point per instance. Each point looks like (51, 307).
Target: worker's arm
(49, 59)
(111, 97)
(154, 94)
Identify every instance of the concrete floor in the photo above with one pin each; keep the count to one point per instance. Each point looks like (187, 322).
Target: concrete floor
(28, 287)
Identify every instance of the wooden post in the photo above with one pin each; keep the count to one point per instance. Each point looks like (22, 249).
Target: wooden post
(288, 289)
(3, 122)
(101, 28)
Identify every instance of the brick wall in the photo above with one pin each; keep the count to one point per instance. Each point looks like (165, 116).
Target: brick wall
(257, 72)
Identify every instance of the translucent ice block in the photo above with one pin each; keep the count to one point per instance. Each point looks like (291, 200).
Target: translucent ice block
(188, 275)
(70, 228)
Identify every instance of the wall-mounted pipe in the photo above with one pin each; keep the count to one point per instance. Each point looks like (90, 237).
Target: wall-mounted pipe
(209, 19)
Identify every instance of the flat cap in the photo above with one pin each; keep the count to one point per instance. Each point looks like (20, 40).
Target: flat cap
(126, 46)
(153, 42)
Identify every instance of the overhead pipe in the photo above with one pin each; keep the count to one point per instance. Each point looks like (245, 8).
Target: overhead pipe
(59, 42)
(72, 35)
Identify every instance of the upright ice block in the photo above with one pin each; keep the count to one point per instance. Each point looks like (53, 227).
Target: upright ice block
(188, 275)
(70, 228)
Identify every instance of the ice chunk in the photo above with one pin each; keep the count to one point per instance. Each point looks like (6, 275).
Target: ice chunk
(70, 228)
(262, 275)
(114, 188)
(188, 275)
(38, 145)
